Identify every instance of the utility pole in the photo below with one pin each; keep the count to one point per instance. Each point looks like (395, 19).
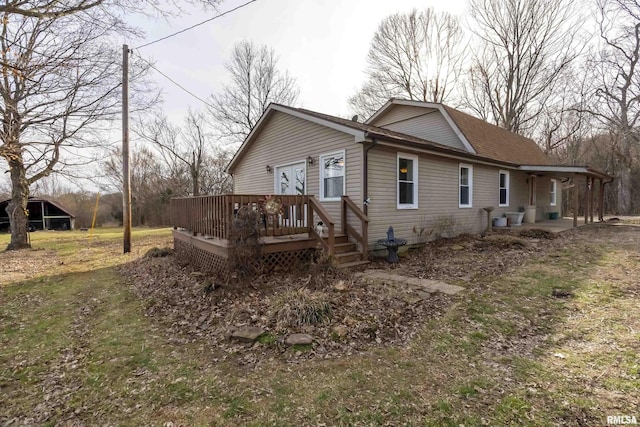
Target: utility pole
(126, 174)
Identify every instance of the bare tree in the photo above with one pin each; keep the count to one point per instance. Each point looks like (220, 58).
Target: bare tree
(255, 83)
(59, 81)
(188, 149)
(417, 55)
(57, 8)
(525, 46)
(616, 106)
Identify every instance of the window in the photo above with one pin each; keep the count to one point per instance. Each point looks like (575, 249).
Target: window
(503, 188)
(332, 176)
(407, 166)
(554, 188)
(466, 186)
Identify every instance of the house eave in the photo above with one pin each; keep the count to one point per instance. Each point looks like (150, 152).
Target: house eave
(394, 101)
(567, 169)
(358, 135)
(442, 152)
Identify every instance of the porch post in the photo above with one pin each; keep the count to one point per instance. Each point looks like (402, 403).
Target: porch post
(601, 200)
(586, 201)
(575, 201)
(591, 191)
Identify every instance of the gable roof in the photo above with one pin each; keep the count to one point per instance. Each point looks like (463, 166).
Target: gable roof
(40, 199)
(480, 137)
(360, 131)
(497, 143)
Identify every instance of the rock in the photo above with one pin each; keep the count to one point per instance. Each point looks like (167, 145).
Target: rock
(340, 331)
(423, 295)
(340, 286)
(457, 247)
(248, 334)
(349, 321)
(298, 339)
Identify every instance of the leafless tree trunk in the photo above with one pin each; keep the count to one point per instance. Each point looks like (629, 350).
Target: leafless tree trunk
(189, 148)
(255, 83)
(525, 46)
(60, 79)
(617, 78)
(417, 55)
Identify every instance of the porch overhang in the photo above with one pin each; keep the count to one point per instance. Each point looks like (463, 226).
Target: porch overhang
(567, 171)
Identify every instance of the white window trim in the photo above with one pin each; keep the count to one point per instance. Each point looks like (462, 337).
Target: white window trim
(508, 184)
(344, 177)
(470, 167)
(554, 199)
(414, 158)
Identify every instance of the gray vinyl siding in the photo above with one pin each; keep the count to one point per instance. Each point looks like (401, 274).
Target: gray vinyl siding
(431, 126)
(438, 194)
(398, 113)
(286, 139)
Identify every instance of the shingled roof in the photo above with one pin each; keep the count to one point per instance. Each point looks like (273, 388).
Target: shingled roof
(375, 131)
(494, 142)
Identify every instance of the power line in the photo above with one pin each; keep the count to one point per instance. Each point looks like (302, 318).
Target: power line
(175, 82)
(197, 25)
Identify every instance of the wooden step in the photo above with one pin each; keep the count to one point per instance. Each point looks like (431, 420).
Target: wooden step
(340, 238)
(345, 247)
(346, 257)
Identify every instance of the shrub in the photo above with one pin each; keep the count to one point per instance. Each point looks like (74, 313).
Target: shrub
(301, 306)
(158, 252)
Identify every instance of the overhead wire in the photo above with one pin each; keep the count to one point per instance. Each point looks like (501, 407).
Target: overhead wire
(197, 25)
(173, 81)
(180, 32)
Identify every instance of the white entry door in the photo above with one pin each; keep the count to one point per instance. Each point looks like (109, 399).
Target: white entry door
(291, 179)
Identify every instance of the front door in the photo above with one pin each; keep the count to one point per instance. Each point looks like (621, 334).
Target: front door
(291, 179)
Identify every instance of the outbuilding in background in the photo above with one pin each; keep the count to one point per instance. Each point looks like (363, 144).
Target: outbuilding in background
(44, 214)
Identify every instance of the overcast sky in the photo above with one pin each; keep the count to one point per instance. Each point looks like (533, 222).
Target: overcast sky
(322, 43)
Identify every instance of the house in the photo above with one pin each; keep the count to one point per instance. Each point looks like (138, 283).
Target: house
(44, 214)
(416, 166)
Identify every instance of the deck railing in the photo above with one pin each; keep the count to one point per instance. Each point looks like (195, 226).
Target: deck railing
(214, 215)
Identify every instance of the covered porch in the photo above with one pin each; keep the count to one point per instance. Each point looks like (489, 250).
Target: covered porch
(571, 179)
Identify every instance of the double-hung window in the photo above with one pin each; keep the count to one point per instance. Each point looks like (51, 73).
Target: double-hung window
(554, 189)
(465, 186)
(407, 181)
(503, 188)
(332, 176)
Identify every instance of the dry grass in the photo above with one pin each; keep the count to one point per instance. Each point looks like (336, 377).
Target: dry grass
(77, 348)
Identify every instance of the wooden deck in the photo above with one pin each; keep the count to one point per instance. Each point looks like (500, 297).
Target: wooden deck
(206, 229)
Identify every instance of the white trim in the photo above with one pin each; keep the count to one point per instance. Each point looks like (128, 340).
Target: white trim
(507, 187)
(554, 194)
(416, 160)
(275, 174)
(321, 173)
(470, 167)
(359, 135)
(436, 106)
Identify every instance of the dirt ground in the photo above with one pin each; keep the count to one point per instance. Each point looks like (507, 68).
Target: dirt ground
(362, 316)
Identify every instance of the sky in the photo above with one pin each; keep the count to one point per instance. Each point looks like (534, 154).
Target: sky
(322, 43)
